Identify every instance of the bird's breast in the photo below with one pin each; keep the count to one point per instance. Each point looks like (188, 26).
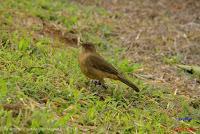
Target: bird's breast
(86, 69)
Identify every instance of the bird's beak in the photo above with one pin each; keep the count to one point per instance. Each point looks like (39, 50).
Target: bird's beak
(79, 42)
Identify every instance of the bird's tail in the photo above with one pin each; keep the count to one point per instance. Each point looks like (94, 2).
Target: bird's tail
(129, 83)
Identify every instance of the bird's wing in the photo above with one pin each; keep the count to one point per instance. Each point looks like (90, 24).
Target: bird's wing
(97, 62)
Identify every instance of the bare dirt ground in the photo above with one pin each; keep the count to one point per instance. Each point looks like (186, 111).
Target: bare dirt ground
(159, 34)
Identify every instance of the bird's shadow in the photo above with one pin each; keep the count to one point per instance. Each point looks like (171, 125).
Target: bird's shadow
(112, 91)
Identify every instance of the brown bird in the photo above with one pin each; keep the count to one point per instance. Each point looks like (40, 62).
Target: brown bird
(95, 67)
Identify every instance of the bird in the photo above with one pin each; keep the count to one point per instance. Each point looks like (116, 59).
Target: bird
(95, 67)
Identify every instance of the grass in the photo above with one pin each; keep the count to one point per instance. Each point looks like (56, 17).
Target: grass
(42, 88)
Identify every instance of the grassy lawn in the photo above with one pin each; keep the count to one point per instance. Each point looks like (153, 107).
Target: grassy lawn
(43, 91)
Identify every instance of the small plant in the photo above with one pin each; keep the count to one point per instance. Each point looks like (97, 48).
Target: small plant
(24, 44)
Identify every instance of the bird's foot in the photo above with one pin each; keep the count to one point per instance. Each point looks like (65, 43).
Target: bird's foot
(98, 83)
(95, 82)
(104, 86)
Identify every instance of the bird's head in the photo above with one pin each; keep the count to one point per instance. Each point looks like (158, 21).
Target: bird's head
(86, 46)
(89, 47)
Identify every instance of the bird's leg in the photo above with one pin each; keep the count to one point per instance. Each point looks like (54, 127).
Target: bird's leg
(99, 83)
(103, 84)
(92, 84)
(96, 82)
